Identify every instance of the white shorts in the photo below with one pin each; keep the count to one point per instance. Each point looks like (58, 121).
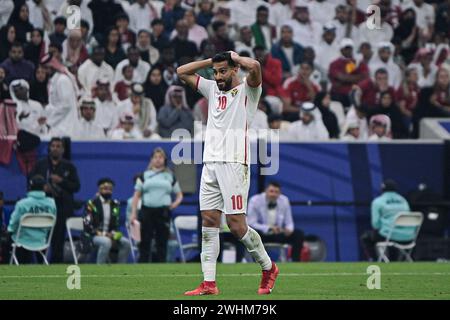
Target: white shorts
(224, 186)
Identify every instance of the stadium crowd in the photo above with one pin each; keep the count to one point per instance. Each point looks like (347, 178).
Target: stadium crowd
(327, 73)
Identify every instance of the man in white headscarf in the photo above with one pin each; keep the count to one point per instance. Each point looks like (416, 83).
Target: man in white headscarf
(86, 128)
(62, 95)
(384, 59)
(30, 116)
(310, 127)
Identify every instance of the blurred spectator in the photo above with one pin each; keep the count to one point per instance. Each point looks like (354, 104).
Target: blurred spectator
(55, 50)
(159, 39)
(20, 20)
(171, 13)
(365, 53)
(351, 132)
(35, 49)
(93, 69)
(371, 90)
(384, 210)
(38, 87)
(38, 203)
(246, 41)
(221, 39)
(389, 107)
(274, 121)
(85, 127)
(102, 222)
(380, 128)
(272, 72)
(423, 62)
(205, 13)
(39, 16)
(328, 47)
(319, 74)
(140, 67)
(408, 33)
(113, 48)
(298, 89)
(122, 88)
(270, 214)
(440, 97)
(6, 8)
(142, 13)
(127, 128)
(155, 87)
(242, 12)
(175, 114)
(7, 38)
(196, 33)
(127, 37)
(260, 118)
(377, 35)
(407, 94)
(280, 12)
(322, 101)
(87, 38)
(290, 53)
(62, 182)
(384, 59)
(4, 89)
(344, 23)
(143, 110)
(74, 51)
(182, 45)
(156, 190)
(148, 52)
(31, 116)
(310, 127)
(425, 18)
(62, 93)
(169, 65)
(322, 11)
(103, 15)
(106, 113)
(208, 50)
(306, 31)
(59, 35)
(344, 72)
(16, 67)
(263, 32)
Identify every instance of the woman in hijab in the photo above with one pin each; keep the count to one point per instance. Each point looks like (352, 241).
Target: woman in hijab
(35, 49)
(322, 101)
(20, 20)
(38, 88)
(155, 87)
(113, 49)
(7, 38)
(407, 33)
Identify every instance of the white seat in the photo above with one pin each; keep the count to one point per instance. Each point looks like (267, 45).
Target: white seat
(75, 224)
(189, 223)
(35, 221)
(403, 219)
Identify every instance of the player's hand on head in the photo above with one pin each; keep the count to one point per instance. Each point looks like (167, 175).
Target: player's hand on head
(234, 55)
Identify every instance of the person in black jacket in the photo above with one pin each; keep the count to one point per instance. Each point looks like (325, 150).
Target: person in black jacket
(62, 183)
(101, 222)
(322, 101)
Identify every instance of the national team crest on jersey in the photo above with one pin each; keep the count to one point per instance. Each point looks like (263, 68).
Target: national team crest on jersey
(234, 92)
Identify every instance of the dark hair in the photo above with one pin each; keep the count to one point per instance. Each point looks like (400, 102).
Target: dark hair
(308, 63)
(60, 20)
(217, 24)
(381, 70)
(259, 48)
(85, 24)
(224, 56)
(262, 8)
(37, 183)
(144, 30)
(388, 185)
(56, 139)
(157, 21)
(56, 45)
(17, 44)
(132, 47)
(273, 184)
(105, 180)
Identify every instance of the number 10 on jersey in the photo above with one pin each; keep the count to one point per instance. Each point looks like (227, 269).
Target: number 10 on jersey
(222, 102)
(237, 202)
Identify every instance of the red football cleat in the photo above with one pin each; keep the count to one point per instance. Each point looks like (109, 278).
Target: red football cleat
(268, 280)
(205, 288)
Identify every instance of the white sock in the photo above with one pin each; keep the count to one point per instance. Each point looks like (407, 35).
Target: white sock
(210, 252)
(252, 241)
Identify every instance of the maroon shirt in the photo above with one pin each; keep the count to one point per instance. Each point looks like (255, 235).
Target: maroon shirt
(371, 93)
(346, 66)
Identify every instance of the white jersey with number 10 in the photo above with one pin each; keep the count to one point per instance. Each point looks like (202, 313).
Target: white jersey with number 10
(229, 116)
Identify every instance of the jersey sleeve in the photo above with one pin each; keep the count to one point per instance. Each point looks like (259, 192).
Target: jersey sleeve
(253, 93)
(204, 86)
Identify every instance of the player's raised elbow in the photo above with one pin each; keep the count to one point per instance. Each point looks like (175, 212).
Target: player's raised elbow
(255, 65)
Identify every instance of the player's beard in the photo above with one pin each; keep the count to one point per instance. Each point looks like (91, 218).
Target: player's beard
(225, 85)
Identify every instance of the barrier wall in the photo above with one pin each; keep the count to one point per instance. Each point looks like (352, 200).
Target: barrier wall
(325, 172)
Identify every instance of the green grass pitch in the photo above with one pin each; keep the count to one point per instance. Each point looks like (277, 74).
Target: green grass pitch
(235, 281)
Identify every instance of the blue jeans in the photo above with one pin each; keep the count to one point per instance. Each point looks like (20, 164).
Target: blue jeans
(104, 246)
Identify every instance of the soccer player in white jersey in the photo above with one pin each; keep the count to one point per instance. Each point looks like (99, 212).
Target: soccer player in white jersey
(226, 177)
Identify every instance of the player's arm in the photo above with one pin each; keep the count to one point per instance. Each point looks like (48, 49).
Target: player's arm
(187, 72)
(254, 77)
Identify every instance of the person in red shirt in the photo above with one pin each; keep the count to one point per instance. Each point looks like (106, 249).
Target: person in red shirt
(297, 90)
(371, 90)
(344, 72)
(407, 94)
(122, 89)
(272, 72)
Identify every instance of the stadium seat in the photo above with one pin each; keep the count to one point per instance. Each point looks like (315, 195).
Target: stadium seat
(188, 223)
(40, 221)
(74, 224)
(403, 219)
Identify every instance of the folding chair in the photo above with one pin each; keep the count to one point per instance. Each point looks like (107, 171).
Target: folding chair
(403, 219)
(188, 223)
(35, 221)
(75, 224)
